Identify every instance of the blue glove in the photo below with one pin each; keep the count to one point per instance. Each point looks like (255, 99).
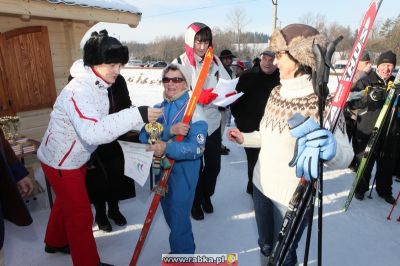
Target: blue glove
(299, 127)
(323, 139)
(312, 144)
(316, 145)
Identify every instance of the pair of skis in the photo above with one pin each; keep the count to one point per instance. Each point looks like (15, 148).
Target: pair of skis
(388, 112)
(161, 187)
(303, 194)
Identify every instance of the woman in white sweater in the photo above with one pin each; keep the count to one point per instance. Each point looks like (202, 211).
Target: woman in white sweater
(274, 182)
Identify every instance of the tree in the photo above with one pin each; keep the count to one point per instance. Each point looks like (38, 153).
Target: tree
(333, 31)
(238, 21)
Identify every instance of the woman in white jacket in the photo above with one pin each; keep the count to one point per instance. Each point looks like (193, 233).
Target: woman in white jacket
(274, 181)
(78, 123)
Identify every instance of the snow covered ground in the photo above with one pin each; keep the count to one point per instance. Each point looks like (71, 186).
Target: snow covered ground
(361, 236)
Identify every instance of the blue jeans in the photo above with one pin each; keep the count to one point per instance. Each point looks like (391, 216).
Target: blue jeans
(269, 219)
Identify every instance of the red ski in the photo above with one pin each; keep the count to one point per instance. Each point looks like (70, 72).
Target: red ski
(161, 187)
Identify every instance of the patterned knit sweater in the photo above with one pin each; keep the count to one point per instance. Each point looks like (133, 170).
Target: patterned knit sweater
(272, 175)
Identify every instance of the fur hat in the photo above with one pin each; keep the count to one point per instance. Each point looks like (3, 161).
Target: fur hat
(387, 57)
(297, 39)
(103, 49)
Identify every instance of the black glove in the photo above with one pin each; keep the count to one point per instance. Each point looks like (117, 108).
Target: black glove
(377, 93)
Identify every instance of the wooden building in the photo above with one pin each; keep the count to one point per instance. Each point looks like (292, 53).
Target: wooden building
(39, 41)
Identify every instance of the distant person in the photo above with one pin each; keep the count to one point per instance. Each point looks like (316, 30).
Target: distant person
(256, 84)
(187, 154)
(79, 123)
(238, 67)
(373, 90)
(274, 182)
(15, 184)
(256, 62)
(198, 38)
(363, 69)
(226, 57)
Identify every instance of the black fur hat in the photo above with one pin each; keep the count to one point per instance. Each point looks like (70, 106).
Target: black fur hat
(103, 49)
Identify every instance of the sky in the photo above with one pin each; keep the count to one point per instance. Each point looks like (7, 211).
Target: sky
(170, 18)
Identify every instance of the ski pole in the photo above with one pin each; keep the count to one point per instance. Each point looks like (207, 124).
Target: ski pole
(391, 210)
(370, 191)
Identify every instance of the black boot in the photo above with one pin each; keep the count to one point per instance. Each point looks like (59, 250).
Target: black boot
(50, 249)
(115, 214)
(249, 188)
(197, 212)
(207, 205)
(101, 217)
(105, 264)
(388, 198)
(359, 195)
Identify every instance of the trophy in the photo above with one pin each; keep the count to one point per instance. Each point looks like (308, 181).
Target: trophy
(154, 129)
(5, 123)
(14, 126)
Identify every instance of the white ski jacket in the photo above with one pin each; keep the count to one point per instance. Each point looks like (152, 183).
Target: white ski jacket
(80, 121)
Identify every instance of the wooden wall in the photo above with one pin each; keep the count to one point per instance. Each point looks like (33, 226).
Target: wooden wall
(65, 38)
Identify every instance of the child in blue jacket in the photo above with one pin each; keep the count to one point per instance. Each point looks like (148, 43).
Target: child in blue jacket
(187, 154)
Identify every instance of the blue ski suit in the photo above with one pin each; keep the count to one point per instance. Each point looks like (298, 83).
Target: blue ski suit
(187, 154)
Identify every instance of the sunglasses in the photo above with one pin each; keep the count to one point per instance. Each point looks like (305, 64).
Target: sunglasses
(279, 54)
(174, 80)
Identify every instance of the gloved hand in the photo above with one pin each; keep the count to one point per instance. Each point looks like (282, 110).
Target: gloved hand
(207, 96)
(301, 126)
(312, 143)
(377, 93)
(318, 144)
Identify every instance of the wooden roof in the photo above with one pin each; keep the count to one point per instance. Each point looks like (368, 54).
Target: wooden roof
(74, 11)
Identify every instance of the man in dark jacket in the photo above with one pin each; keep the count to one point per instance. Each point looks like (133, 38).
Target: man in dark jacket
(14, 184)
(372, 94)
(256, 84)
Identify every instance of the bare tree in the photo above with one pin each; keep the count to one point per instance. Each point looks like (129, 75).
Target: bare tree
(317, 21)
(238, 21)
(333, 31)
